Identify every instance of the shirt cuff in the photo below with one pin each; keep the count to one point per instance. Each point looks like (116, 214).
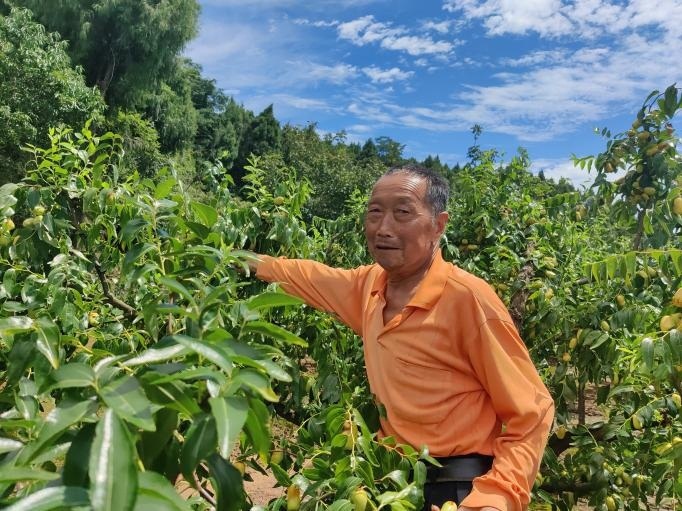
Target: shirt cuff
(478, 499)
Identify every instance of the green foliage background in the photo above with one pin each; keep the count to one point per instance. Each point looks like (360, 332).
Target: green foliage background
(136, 352)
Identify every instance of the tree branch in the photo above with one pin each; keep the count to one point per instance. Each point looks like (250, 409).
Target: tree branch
(132, 313)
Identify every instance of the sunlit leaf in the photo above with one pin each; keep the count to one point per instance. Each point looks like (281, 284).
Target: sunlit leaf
(113, 474)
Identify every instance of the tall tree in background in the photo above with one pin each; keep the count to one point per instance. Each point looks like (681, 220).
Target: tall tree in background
(263, 135)
(126, 47)
(390, 151)
(39, 89)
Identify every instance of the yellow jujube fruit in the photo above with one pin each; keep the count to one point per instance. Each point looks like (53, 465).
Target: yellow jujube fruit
(677, 298)
(573, 343)
(293, 498)
(278, 201)
(669, 322)
(8, 224)
(560, 432)
(610, 503)
(240, 466)
(620, 300)
(276, 456)
(677, 400)
(650, 191)
(605, 326)
(93, 318)
(677, 205)
(359, 499)
(637, 422)
(449, 506)
(566, 357)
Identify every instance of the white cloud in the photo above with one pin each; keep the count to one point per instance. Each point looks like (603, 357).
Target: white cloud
(535, 58)
(317, 24)
(338, 73)
(378, 75)
(442, 27)
(554, 92)
(558, 168)
(366, 30)
(577, 18)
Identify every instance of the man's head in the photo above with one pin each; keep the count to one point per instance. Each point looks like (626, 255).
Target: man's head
(406, 216)
(437, 188)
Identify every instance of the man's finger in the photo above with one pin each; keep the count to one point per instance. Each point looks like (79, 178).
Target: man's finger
(434, 508)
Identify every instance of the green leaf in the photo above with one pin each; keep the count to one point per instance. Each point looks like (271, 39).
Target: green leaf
(15, 325)
(257, 427)
(670, 101)
(164, 188)
(200, 443)
(157, 354)
(341, 505)
(155, 493)
(611, 266)
(78, 456)
(211, 352)
(173, 394)
(228, 483)
(57, 421)
(74, 374)
(132, 227)
(631, 263)
(256, 381)
(47, 499)
(601, 339)
(274, 331)
(134, 255)
(152, 443)
(647, 347)
(113, 474)
(48, 340)
(15, 474)
(178, 288)
(206, 215)
(269, 300)
(9, 445)
(230, 415)
(419, 473)
(126, 398)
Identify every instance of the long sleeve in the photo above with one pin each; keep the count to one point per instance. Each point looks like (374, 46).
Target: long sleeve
(329, 289)
(522, 402)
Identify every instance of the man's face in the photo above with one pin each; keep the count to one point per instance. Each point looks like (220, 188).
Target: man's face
(402, 232)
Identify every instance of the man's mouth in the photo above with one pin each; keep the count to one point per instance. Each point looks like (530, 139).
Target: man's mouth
(385, 247)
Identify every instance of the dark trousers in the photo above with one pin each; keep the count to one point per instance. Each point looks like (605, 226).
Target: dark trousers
(453, 481)
(439, 493)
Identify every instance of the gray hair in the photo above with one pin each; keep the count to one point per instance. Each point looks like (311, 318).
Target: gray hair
(437, 187)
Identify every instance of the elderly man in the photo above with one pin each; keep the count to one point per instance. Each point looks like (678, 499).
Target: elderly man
(442, 354)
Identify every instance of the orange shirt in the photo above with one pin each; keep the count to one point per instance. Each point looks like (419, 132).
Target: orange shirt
(450, 369)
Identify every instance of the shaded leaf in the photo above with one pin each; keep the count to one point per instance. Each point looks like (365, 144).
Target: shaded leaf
(126, 397)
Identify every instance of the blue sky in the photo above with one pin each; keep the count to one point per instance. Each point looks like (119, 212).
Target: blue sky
(538, 74)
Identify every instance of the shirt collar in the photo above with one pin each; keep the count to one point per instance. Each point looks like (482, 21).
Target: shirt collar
(430, 288)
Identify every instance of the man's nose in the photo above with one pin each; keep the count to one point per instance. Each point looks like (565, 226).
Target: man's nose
(386, 225)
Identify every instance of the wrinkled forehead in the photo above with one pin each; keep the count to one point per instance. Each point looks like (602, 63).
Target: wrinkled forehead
(399, 184)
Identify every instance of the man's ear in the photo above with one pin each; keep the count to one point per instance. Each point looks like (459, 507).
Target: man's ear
(441, 222)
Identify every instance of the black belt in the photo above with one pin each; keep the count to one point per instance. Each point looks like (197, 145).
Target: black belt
(459, 468)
